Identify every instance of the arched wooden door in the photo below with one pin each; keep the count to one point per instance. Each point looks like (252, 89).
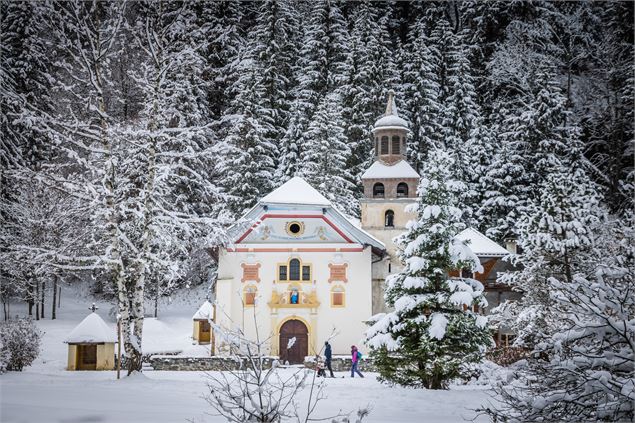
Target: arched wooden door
(300, 349)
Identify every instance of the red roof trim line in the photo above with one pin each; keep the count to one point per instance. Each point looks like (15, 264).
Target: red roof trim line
(295, 216)
(299, 250)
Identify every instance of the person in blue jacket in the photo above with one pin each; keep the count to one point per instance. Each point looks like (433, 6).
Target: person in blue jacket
(328, 354)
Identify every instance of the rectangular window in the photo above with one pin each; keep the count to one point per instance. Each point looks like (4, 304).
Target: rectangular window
(337, 299)
(395, 145)
(306, 273)
(384, 145)
(282, 273)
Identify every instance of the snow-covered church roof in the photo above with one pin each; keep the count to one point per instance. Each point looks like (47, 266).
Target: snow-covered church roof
(297, 196)
(205, 312)
(92, 330)
(295, 191)
(379, 170)
(391, 118)
(480, 244)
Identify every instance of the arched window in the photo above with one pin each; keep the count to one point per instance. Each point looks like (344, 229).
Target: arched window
(378, 190)
(396, 144)
(294, 270)
(338, 296)
(402, 189)
(384, 145)
(250, 295)
(389, 220)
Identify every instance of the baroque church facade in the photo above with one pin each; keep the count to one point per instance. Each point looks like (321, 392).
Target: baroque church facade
(298, 268)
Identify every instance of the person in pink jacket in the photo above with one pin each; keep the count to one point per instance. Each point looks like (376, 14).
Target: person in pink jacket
(355, 357)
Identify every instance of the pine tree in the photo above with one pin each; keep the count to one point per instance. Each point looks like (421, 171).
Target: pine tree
(325, 155)
(320, 73)
(247, 168)
(274, 51)
(429, 337)
(555, 225)
(584, 370)
(370, 75)
(421, 94)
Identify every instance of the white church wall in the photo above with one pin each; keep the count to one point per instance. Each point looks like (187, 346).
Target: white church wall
(347, 320)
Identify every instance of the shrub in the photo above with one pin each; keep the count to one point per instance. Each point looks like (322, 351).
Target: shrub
(19, 344)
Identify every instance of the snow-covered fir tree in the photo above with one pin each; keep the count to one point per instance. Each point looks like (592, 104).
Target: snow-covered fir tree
(325, 155)
(320, 73)
(370, 74)
(421, 94)
(431, 335)
(584, 370)
(248, 167)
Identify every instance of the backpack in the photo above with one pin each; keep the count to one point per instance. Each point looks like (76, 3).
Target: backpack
(359, 355)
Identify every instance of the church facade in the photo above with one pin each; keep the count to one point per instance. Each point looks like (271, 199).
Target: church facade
(298, 268)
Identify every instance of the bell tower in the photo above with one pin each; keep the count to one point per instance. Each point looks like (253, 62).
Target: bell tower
(390, 184)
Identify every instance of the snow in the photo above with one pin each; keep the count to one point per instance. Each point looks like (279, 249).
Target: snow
(295, 191)
(379, 170)
(205, 312)
(391, 121)
(46, 392)
(438, 325)
(92, 329)
(480, 244)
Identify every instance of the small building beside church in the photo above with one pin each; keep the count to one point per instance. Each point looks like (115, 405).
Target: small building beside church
(91, 345)
(299, 269)
(202, 330)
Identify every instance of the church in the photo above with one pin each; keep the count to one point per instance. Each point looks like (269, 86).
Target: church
(298, 268)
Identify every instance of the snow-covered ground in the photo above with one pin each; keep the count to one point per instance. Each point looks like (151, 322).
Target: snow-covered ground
(45, 392)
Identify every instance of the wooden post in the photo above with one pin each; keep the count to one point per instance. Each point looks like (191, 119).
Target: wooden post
(42, 306)
(212, 342)
(59, 298)
(37, 302)
(54, 302)
(118, 346)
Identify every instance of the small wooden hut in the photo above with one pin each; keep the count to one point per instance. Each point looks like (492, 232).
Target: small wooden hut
(202, 328)
(91, 345)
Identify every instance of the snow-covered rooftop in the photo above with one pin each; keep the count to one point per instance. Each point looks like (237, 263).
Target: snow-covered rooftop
(295, 191)
(92, 329)
(379, 170)
(480, 244)
(391, 117)
(205, 312)
(391, 120)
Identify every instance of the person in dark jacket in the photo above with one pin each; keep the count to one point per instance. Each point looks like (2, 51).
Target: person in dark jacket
(328, 354)
(355, 357)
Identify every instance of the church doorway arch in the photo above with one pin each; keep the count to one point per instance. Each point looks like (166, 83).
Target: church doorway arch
(300, 348)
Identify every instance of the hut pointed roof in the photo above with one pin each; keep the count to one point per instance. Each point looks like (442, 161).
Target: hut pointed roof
(205, 312)
(92, 330)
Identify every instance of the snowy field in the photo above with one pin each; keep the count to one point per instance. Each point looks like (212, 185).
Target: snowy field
(45, 392)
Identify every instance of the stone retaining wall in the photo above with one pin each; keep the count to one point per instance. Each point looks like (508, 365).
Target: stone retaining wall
(163, 362)
(180, 363)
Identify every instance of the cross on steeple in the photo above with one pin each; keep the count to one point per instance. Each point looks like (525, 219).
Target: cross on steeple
(93, 308)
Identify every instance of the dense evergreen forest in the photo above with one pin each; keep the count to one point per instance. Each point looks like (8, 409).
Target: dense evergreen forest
(133, 134)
